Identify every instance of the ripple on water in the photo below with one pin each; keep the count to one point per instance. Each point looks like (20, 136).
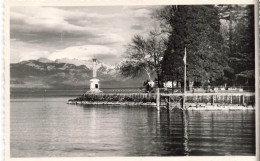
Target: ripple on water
(44, 127)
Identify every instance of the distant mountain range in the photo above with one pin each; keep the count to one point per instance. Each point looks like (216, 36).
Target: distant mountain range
(66, 74)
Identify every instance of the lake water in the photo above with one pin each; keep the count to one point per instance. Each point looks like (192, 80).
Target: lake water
(44, 127)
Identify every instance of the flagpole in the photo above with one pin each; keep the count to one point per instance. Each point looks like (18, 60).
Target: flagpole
(184, 90)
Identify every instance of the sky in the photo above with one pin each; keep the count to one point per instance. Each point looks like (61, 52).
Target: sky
(76, 32)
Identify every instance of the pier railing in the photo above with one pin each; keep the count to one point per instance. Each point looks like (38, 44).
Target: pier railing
(216, 98)
(210, 89)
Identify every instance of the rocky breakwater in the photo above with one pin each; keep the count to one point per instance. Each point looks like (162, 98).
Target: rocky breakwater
(143, 99)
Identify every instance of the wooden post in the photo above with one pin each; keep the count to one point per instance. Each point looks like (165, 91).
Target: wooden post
(212, 100)
(243, 100)
(168, 103)
(158, 99)
(183, 102)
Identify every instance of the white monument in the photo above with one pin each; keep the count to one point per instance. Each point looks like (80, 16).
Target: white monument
(94, 85)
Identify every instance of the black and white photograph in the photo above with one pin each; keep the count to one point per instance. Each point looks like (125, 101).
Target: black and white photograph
(153, 80)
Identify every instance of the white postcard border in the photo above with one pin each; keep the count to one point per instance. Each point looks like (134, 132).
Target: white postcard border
(6, 63)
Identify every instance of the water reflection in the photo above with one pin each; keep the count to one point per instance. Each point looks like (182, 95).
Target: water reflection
(52, 128)
(173, 132)
(185, 132)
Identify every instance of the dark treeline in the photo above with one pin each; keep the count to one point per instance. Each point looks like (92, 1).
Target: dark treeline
(219, 41)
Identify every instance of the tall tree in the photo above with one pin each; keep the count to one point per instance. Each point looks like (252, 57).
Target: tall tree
(198, 29)
(238, 32)
(243, 60)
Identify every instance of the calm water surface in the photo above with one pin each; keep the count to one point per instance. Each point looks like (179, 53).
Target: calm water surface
(42, 127)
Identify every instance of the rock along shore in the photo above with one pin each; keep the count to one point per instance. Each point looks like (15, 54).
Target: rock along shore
(189, 106)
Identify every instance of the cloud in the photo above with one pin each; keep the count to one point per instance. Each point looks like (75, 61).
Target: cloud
(72, 27)
(21, 51)
(57, 19)
(108, 38)
(47, 31)
(35, 20)
(142, 13)
(137, 27)
(86, 52)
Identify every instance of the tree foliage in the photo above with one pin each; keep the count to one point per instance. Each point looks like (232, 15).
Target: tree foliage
(144, 55)
(198, 29)
(219, 42)
(239, 35)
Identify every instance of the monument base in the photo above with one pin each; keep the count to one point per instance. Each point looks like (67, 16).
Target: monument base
(94, 86)
(94, 91)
